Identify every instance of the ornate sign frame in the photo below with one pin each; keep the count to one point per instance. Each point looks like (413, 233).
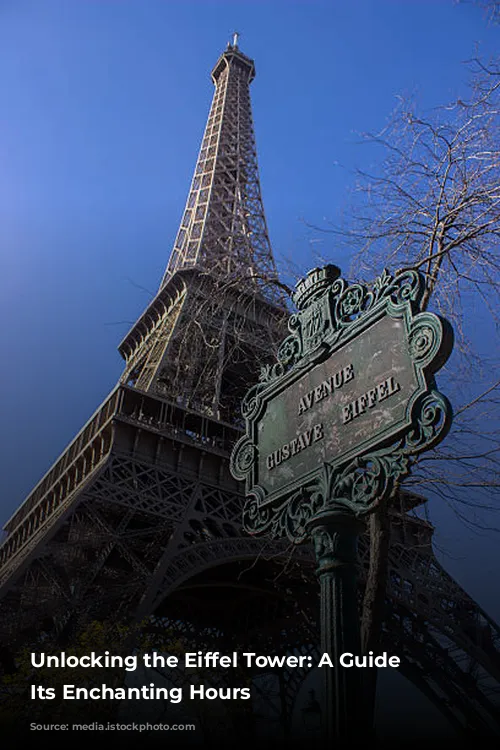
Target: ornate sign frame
(332, 316)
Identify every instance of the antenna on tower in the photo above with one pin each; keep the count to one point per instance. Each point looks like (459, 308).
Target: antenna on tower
(236, 36)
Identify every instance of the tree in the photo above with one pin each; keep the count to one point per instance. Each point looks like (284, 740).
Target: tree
(435, 207)
(491, 8)
(433, 204)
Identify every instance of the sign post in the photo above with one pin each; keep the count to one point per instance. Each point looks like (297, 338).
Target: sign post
(335, 536)
(331, 428)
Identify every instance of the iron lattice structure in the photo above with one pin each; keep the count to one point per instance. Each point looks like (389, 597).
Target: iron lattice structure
(223, 227)
(140, 517)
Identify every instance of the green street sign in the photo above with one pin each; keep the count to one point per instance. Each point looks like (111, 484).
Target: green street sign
(351, 399)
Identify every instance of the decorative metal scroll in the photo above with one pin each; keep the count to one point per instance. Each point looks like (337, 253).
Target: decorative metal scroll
(335, 422)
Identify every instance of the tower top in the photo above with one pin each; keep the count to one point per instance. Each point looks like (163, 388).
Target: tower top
(233, 54)
(223, 229)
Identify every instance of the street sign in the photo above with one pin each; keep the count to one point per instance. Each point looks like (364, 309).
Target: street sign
(351, 399)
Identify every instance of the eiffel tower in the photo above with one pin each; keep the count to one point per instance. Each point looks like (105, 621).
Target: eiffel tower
(140, 516)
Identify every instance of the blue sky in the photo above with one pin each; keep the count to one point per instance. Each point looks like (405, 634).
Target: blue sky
(103, 105)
